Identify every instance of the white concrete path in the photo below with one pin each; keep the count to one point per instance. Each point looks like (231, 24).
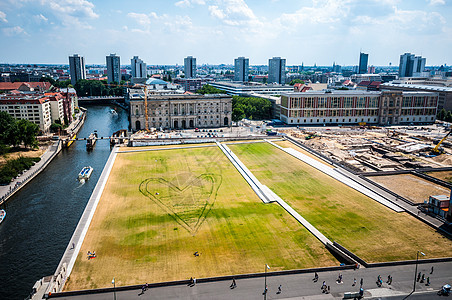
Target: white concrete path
(338, 176)
(261, 191)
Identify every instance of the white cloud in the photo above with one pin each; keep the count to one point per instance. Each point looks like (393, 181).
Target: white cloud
(189, 3)
(74, 8)
(3, 17)
(160, 23)
(141, 19)
(437, 2)
(235, 13)
(41, 18)
(12, 31)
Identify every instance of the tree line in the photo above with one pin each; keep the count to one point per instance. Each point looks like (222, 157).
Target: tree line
(444, 115)
(15, 132)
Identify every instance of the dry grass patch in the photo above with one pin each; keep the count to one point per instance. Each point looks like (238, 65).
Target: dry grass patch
(410, 186)
(141, 236)
(359, 223)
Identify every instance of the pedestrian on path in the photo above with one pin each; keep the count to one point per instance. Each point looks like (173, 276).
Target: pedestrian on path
(422, 278)
(233, 284)
(194, 280)
(418, 276)
(361, 283)
(316, 277)
(354, 282)
(265, 290)
(431, 271)
(279, 290)
(428, 281)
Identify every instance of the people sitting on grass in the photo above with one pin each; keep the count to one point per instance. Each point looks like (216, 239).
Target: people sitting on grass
(91, 255)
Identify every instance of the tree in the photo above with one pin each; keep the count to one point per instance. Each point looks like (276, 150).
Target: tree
(208, 89)
(237, 113)
(48, 79)
(442, 114)
(28, 132)
(296, 81)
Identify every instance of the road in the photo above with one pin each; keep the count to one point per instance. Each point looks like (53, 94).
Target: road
(301, 286)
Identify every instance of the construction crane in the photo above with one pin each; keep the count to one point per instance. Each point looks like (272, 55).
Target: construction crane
(146, 115)
(436, 149)
(146, 119)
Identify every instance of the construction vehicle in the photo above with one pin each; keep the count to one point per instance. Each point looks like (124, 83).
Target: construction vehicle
(437, 150)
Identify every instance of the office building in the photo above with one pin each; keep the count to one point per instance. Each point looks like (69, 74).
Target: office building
(444, 93)
(277, 70)
(363, 60)
(77, 68)
(113, 68)
(138, 68)
(190, 67)
(250, 88)
(193, 84)
(241, 66)
(172, 111)
(353, 107)
(411, 65)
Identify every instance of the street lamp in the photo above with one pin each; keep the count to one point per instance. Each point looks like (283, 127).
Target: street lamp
(114, 288)
(415, 273)
(265, 282)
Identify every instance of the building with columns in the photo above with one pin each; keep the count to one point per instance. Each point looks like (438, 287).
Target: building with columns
(181, 111)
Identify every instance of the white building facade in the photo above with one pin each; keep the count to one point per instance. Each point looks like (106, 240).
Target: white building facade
(181, 111)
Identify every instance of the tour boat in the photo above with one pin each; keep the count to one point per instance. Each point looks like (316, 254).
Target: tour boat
(85, 173)
(2, 215)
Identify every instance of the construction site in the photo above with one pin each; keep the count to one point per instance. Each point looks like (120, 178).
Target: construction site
(412, 163)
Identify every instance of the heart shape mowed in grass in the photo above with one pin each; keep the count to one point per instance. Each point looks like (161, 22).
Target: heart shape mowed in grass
(189, 203)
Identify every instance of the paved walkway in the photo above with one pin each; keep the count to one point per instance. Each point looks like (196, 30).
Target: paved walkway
(300, 286)
(338, 176)
(7, 191)
(79, 234)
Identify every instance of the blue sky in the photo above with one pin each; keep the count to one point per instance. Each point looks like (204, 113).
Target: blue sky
(217, 31)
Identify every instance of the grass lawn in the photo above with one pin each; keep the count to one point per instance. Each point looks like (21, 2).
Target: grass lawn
(365, 227)
(410, 186)
(159, 207)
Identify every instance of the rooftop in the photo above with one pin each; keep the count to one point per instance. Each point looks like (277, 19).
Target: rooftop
(419, 86)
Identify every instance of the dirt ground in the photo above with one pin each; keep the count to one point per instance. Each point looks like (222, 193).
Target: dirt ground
(445, 175)
(24, 153)
(410, 186)
(287, 144)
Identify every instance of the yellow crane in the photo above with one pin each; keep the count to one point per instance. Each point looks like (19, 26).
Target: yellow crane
(146, 119)
(436, 149)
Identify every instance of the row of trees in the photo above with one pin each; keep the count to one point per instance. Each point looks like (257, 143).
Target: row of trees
(243, 107)
(97, 88)
(444, 115)
(208, 89)
(250, 108)
(14, 132)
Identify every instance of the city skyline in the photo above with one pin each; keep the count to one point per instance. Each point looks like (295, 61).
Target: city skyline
(217, 31)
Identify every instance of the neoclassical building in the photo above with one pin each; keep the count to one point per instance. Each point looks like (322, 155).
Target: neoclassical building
(181, 111)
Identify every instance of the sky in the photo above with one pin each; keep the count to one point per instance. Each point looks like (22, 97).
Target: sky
(217, 31)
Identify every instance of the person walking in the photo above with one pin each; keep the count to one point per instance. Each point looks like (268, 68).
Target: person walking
(354, 282)
(361, 282)
(194, 280)
(233, 284)
(316, 277)
(279, 290)
(431, 271)
(428, 281)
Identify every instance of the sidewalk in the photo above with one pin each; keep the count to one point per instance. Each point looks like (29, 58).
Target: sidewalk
(6, 191)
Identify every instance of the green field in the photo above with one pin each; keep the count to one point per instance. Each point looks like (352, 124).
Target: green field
(365, 227)
(159, 207)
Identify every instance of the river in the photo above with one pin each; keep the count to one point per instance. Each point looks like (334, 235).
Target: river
(42, 216)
